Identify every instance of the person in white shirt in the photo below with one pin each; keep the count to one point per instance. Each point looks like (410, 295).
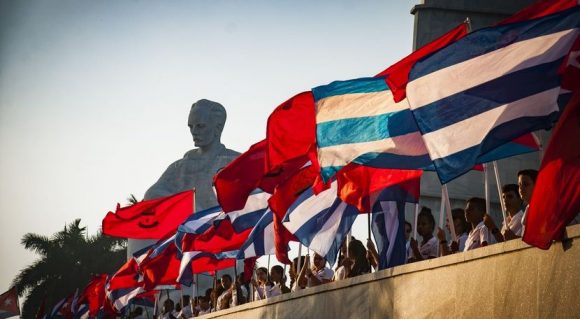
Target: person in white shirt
(480, 235)
(429, 247)
(185, 312)
(261, 284)
(515, 211)
(204, 307)
(278, 282)
(168, 307)
(462, 228)
(318, 273)
(297, 279)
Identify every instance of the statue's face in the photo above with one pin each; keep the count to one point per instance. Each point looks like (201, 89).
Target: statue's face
(203, 130)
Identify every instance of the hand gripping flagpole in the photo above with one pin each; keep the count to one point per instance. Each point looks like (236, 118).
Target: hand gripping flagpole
(498, 181)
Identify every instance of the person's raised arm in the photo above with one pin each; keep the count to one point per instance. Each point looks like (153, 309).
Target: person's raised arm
(443, 248)
(489, 223)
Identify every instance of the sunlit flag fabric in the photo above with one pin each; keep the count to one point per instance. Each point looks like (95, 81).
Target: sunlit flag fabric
(260, 242)
(291, 130)
(556, 198)
(151, 219)
(9, 304)
(194, 261)
(235, 182)
(94, 294)
(161, 265)
(128, 276)
(199, 222)
(397, 75)
(321, 221)
(358, 121)
(388, 222)
(490, 87)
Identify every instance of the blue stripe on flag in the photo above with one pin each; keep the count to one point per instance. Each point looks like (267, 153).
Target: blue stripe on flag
(365, 129)
(362, 85)
(257, 238)
(492, 38)
(388, 227)
(454, 165)
(487, 96)
(384, 160)
(247, 220)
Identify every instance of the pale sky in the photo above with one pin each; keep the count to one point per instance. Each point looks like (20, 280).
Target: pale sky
(94, 95)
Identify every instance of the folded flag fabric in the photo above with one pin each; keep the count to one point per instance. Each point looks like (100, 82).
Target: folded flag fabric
(397, 75)
(291, 130)
(360, 185)
(151, 219)
(94, 294)
(490, 87)
(321, 221)
(199, 222)
(260, 242)
(9, 303)
(388, 223)
(556, 198)
(161, 265)
(358, 121)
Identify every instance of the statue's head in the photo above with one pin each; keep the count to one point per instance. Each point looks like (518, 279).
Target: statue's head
(206, 122)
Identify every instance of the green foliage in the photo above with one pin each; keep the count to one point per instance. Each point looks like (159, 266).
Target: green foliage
(67, 260)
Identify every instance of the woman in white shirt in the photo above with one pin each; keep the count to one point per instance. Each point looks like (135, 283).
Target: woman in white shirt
(429, 247)
(318, 273)
(261, 283)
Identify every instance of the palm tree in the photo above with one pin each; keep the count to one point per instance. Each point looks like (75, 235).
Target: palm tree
(67, 261)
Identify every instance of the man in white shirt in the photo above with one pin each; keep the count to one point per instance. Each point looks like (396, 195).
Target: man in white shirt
(480, 235)
(515, 211)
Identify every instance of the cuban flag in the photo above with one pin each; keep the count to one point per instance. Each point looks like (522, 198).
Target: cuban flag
(490, 87)
(321, 221)
(199, 222)
(388, 224)
(247, 217)
(358, 121)
(194, 262)
(261, 239)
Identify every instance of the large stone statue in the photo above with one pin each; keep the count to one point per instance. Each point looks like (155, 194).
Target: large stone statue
(198, 166)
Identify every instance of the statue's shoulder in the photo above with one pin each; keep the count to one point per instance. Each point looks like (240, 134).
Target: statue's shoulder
(229, 153)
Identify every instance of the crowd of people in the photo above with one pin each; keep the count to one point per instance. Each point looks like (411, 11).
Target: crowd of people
(473, 226)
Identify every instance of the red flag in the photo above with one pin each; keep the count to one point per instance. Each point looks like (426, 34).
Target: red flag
(220, 237)
(151, 219)
(291, 130)
(397, 75)
(94, 294)
(235, 182)
(556, 197)
(160, 267)
(126, 277)
(284, 195)
(249, 265)
(570, 68)
(540, 9)
(9, 303)
(209, 264)
(358, 184)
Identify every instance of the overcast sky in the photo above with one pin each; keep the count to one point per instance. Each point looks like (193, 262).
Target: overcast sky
(94, 95)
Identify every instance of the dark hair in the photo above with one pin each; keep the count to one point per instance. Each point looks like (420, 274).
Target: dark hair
(426, 212)
(208, 292)
(531, 173)
(478, 203)
(227, 276)
(409, 224)
(459, 213)
(263, 269)
(280, 270)
(357, 251)
(511, 188)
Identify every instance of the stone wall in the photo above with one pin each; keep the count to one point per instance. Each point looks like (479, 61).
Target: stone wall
(508, 280)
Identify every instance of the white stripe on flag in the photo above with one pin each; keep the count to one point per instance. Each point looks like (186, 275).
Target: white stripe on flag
(391, 218)
(269, 247)
(324, 238)
(481, 69)
(353, 105)
(123, 301)
(472, 131)
(254, 203)
(339, 155)
(309, 207)
(186, 262)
